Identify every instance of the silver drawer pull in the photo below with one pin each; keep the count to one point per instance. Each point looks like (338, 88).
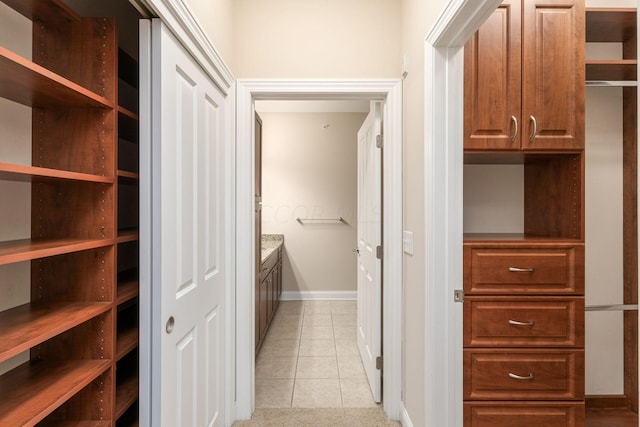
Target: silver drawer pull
(519, 377)
(521, 270)
(517, 323)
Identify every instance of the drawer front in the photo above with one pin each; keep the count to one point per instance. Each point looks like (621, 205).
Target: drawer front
(524, 270)
(523, 375)
(524, 321)
(534, 414)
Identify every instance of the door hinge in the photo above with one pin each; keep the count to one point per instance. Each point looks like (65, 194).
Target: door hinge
(458, 295)
(379, 141)
(379, 252)
(379, 363)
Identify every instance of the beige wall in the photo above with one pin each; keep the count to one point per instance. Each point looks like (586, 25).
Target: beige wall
(15, 147)
(216, 19)
(316, 39)
(309, 170)
(417, 18)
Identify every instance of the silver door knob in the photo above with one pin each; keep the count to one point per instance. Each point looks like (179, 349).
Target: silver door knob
(170, 324)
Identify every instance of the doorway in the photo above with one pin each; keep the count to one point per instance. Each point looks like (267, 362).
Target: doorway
(250, 91)
(311, 190)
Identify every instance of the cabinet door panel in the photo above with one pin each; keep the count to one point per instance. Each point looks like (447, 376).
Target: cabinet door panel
(553, 75)
(492, 81)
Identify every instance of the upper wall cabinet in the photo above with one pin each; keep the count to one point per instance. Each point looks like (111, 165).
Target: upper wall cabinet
(524, 78)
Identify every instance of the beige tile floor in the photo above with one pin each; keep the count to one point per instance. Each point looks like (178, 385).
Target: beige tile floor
(310, 358)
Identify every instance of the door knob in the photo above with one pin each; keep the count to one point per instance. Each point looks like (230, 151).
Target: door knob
(356, 250)
(170, 324)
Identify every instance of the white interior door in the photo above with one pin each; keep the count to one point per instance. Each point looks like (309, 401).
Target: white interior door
(369, 330)
(188, 237)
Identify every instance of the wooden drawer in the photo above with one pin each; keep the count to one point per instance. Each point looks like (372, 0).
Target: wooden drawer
(523, 270)
(523, 414)
(523, 374)
(524, 321)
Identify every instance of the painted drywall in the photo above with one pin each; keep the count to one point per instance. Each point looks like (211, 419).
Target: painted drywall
(15, 147)
(216, 19)
(493, 199)
(316, 39)
(604, 340)
(309, 170)
(417, 17)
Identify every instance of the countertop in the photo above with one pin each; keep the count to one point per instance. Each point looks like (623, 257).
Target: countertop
(270, 242)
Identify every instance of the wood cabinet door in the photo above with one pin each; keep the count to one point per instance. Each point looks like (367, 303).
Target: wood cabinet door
(492, 75)
(553, 73)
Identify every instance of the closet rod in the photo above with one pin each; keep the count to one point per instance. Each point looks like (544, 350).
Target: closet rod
(612, 307)
(611, 83)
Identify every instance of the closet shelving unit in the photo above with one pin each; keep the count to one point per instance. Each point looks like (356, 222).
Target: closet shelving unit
(80, 328)
(127, 319)
(619, 25)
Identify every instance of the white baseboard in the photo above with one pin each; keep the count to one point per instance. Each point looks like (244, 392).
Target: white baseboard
(405, 420)
(317, 295)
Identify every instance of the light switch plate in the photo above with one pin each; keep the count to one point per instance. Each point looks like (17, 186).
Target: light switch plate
(407, 242)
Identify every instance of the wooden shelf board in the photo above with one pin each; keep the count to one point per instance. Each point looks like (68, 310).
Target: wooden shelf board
(128, 290)
(127, 341)
(28, 325)
(30, 84)
(14, 172)
(617, 69)
(127, 236)
(33, 390)
(510, 157)
(86, 423)
(53, 10)
(128, 175)
(610, 24)
(608, 417)
(515, 237)
(127, 113)
(27, 249)
(126, 395)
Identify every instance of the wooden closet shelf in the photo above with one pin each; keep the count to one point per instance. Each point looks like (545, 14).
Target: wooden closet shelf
(620, 69)
(610, 24)
(53, 10)
(28, 325)
(79, 424)
(127, 341)
(128, 113)
(128, 175)
(128, 68)
(33, 390)
(127, 236)
(126, 395)
(30, 84)
(128, 290)
(14, 172)
(515, 237)
(27, 249)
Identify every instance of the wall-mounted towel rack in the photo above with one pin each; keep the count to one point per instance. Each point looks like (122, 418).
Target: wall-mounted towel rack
(302, 220)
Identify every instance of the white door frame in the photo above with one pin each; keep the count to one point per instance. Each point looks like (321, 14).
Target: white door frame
(247, 92)
(443, 165)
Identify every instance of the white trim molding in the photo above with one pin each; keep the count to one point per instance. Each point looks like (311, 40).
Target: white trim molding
(387, 90)
(318, 295)
(443, 166)
(405, 419)
(179, 18)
